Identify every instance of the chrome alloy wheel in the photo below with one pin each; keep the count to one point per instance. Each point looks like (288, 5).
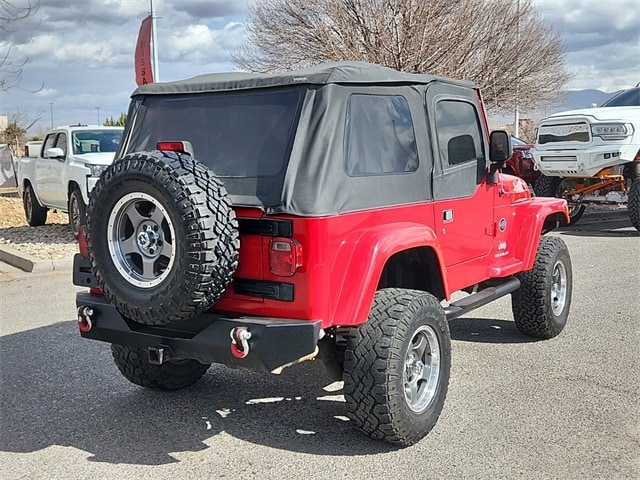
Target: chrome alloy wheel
(421, 369)
(141, 239)
(558, 288)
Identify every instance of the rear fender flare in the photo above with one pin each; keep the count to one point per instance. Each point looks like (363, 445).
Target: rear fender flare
(368, 258)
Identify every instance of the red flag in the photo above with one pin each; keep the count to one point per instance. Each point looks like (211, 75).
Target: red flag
(144, 74)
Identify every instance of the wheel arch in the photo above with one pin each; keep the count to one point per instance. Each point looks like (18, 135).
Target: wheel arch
(392, 255)
(71, 186)
(539, 217)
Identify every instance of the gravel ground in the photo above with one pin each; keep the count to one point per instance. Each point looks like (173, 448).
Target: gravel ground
(49, 242)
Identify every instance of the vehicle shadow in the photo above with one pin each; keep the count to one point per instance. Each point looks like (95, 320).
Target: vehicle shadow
(486, 330)
(58, 389)
(601, 224)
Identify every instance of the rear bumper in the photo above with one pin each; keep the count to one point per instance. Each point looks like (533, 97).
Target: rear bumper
(274, 343)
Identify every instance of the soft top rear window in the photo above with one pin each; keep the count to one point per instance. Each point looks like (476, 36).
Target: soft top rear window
(236, 134)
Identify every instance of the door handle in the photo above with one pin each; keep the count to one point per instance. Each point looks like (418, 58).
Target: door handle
(447, 216)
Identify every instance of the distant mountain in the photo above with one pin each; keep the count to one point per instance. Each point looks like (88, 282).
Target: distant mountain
(577, 99)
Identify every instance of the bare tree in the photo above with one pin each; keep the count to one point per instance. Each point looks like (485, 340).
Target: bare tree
(503, 46)
(11, 70)
(16, 130)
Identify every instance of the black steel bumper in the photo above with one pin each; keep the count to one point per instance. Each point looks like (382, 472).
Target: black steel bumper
(274, 342)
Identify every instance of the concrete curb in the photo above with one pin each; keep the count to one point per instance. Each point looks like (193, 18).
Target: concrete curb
(32, 264)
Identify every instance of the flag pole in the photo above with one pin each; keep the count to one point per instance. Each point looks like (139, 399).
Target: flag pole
(154, 41)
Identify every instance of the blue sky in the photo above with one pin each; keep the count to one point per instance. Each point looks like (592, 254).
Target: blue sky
(81, 52)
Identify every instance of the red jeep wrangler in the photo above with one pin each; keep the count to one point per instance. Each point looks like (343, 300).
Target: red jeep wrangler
(259, 220)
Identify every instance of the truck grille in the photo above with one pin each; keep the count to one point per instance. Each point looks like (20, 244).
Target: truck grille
(573, 132)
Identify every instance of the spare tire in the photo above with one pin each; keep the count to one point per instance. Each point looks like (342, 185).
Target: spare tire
(162, 236)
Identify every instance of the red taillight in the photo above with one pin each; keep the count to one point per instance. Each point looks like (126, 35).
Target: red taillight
(82, 241)
(285, 256)
(181, 147)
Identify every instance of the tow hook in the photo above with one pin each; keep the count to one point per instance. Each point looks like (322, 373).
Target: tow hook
(84, 319)
(239, 342)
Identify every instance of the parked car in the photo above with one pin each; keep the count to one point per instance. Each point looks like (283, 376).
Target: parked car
(256, 220)
(64, 170)
(521, 163)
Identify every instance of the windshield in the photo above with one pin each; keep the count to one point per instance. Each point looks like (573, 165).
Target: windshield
(90, 141)
(517, 141)
(628, 98)
(236, 134)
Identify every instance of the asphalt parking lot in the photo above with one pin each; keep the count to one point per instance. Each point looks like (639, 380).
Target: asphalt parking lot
(566, 408)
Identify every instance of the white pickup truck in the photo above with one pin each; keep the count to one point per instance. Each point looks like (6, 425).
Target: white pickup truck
(592, 156)
(67, 167)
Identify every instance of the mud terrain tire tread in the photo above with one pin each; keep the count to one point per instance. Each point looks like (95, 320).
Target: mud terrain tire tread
(531, 303)
(634, 203)
(207, 240)
(134, 365)
(374, 366)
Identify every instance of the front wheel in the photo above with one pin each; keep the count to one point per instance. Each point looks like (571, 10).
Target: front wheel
(633, 205)
(35, 213)
(77, 211)
(558, 187)
(541, 304)
(396, 367)
(134, 365)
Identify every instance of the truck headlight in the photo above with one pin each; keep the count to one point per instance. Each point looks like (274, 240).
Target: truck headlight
(96, 170)
(610, 131)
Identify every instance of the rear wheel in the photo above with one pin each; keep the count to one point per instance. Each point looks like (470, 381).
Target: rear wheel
(77, 211)
(396, 367)
(134, 365)
(35, 213)
(558, 187)
(541, 304)
(634, 203)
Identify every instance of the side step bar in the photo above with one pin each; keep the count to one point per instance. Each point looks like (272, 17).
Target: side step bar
(478, 299)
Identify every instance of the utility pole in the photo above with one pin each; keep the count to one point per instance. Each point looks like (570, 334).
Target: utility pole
(51, 108)
(516, 120)
(154, 44)
(98, 110)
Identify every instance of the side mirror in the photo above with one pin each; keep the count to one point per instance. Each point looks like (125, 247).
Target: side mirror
(500, 148)
(54, 152)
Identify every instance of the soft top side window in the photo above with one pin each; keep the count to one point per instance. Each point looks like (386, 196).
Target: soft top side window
(379, 136)
(458, 131)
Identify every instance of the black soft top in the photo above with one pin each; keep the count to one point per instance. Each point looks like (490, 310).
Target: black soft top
(293, 142)
(337, 72)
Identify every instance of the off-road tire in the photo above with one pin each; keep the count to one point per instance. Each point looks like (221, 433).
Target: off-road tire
(552, 187)
(35, 213)
(541, 305)
(162, 237)
(633, 205)
(386, 392)
(134, 365)
(77, 211)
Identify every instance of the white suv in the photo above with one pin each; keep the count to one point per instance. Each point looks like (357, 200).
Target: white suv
(64, 172)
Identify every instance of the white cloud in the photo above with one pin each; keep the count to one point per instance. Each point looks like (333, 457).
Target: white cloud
(46, 92)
